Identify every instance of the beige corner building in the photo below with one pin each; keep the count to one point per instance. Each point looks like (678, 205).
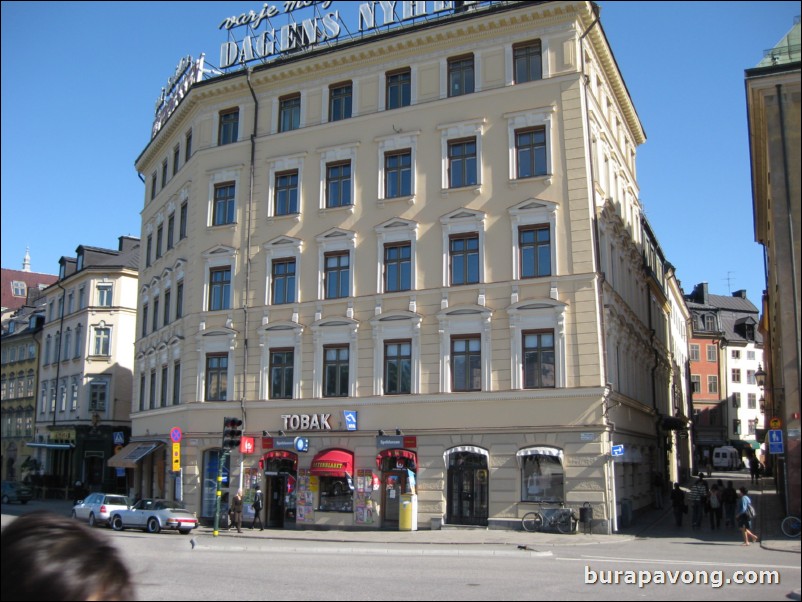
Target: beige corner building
(773, 103)
(412, 262)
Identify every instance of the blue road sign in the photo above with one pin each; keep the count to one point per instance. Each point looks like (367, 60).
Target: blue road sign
(119, 438)
(618, 450)
(776, 445)
(350, 420)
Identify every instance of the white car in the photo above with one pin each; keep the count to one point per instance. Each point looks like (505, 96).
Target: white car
(153, 516)
(97, 508)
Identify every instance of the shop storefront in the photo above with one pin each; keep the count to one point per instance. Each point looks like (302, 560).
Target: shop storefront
(398, 476)
(280, 481)
(468, 486)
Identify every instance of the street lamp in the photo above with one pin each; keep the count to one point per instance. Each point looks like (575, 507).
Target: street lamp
(760, 376)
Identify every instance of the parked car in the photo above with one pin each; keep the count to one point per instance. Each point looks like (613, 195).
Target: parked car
(154, 515)
(16, 492)
(98, 507)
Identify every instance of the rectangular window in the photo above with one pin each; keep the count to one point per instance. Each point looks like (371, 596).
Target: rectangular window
(337, 274)
(219, 288)
(736, 426)
(159, 240)
(166, 307)
(182, 224)
(216, 377)
(281, 373)
(752, 427)
(176, 158)
(163, 398)
(289, 113)
(176, 383)
(102, 341)
(142, 407)
(148, 250)
(735, 354)
(397, 174)
(736, 400)
(170, 229)
(98, 394)
(164, 173)
(152, 396)
(397, 267)
(736, 375)
(712, 384)
(527, 62)
(397, 367)
(538, 354)
(286, 193)
(750, 377)
(179, 300)
(338, 184)
(340, 100)
(460, 75)
(228, 130)
(283, 281)
(464, 257)
(155, 326)
(466, 364)
(462, 163)
(153, 183)
(712, 353)
(188, 146)
(224, 205)
(751, 400)
(534, 244)
(750, 355)
(399, 89)
(335, 371)
(74, 394)
(696, 383)
(104, 295)
(694, 353)
(530, 152)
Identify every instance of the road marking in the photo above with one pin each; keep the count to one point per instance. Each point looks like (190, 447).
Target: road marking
(678, 562)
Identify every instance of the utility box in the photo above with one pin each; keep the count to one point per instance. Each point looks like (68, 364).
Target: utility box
(408, 512)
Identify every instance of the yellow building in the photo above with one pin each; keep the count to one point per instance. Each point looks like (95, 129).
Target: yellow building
(416, 252)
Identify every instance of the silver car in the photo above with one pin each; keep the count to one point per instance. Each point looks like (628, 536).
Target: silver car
(153, 516)
(97, 508)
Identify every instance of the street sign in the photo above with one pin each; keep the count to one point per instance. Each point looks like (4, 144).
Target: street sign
(350, 420)
(776, 442)
(176, 457)
(775, 423)
(119, 438)
(618, 450)
(175, 434)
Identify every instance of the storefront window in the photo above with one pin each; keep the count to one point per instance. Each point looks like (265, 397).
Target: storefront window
(541, 475)
(337, 494)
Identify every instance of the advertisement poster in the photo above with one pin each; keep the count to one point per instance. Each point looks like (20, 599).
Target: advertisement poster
(365, 504)
(305, 500)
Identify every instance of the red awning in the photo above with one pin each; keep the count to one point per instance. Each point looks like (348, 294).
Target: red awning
(396, 453)
(280, 454)
(332, 463)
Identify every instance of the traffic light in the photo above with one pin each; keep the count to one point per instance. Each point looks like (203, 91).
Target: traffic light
(231, 432)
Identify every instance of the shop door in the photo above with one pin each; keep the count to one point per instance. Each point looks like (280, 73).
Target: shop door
(467, 494)
(275, 488)
(395, 483)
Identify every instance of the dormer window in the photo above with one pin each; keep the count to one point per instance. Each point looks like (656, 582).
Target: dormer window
(80, 265)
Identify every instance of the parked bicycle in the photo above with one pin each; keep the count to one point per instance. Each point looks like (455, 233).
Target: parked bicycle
(791, 526)
(562, 519)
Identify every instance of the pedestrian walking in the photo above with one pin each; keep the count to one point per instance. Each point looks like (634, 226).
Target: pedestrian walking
(236, 510)
(729, 498)
(744, 516)
(754, 469)
(257, 508)
(697, 497)
(678, 504)
(716, 508)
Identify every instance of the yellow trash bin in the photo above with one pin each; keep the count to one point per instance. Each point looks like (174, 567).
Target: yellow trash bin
(408, 513)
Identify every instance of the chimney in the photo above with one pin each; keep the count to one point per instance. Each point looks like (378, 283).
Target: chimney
(741, 293)
(700, 293)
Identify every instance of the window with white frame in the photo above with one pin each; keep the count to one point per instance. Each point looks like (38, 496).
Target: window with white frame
(396, 353)
(74, 393)
(102, 340)
(285, 185)
(335, 264)
(396, 243)
(281, 360)
(537, 340)
(529, 143)
(466, 260)
(216, 367)
(396, 156)
(222, 201)
(220, 268)
(98, 394)
(542, 474)
(283, 256)
(335, 357)
(337, 174)
(468, 327)
(461, 154)
(104, 294)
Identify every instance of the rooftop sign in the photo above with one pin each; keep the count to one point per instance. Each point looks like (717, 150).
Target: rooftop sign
(323, 25)
(187, 72)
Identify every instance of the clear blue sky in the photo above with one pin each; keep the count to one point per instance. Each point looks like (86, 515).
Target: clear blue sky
(79, 83)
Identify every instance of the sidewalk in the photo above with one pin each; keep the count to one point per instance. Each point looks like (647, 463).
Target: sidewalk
(650, 523)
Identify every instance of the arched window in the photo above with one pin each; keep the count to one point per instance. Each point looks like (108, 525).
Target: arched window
(542, 475)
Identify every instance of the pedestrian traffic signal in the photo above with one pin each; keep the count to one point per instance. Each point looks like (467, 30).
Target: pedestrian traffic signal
(232, 432)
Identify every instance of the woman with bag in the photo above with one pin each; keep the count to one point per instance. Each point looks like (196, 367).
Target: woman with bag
(716, 508)
(744, 517)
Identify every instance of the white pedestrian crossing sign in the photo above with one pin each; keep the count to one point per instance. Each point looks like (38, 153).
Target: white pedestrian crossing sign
(119, 438)
(776, 442)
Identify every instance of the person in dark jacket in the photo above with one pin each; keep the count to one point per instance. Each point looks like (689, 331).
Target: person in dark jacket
(678, 503)
(257, 508)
